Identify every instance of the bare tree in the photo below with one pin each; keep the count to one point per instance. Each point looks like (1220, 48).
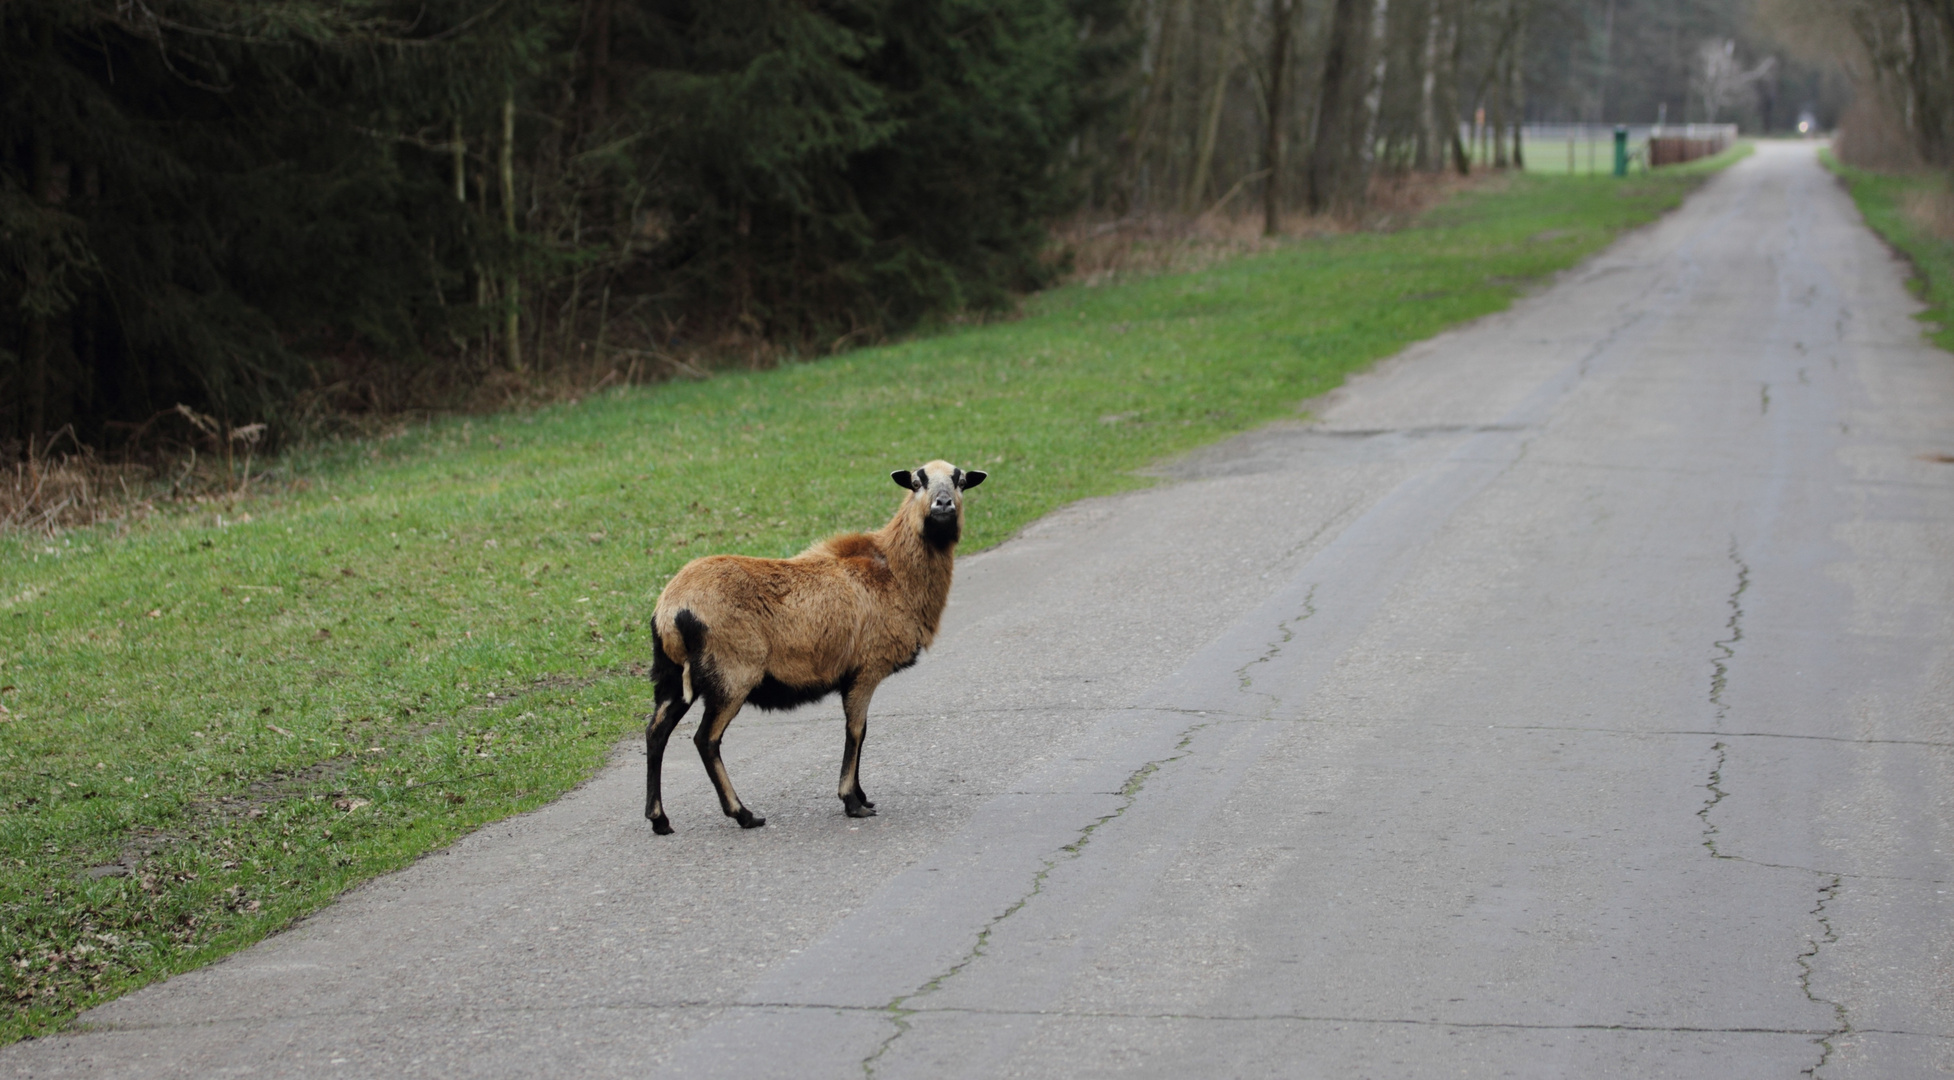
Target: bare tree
(1721, 78)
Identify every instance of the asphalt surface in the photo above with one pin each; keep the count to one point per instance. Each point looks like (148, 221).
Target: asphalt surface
(1571, 696)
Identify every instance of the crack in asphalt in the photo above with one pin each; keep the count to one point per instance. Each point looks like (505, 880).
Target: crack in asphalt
(111, 1028)
(1274, 650)
(1715, 787)
(1720, 665)
(900, 1009)
(1334, 521)
(1719, 680)
(1806, 968)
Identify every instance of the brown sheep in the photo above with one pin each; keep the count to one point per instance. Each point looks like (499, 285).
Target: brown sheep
(776, 633)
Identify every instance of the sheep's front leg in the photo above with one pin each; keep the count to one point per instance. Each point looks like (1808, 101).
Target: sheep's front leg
(707, 740)
(854, 705)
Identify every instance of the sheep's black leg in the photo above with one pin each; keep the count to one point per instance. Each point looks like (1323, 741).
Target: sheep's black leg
(711, 729)
(854, 705)
(667, 711)
(668, 708)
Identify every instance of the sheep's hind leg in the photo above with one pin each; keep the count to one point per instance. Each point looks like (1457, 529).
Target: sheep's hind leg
(854, 705)
(668, 709)
(711, 729)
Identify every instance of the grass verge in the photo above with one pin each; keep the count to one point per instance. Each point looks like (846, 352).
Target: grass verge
(1914, 212)
(216, 723)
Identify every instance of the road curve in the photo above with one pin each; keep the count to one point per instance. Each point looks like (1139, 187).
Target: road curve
(1573, 695)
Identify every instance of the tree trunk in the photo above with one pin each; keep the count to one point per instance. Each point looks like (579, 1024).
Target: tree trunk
(1496, 129)
(600, 61)
(1363, 156)
(41, 187)
(1284, 13)
(512, 293)
(1336, 105)
(1924, 62)
(1607, 63)
(1197, 184)
(459, 148)
(1160, 89)
(1449, 84)
(1430, 141)
(1517, 95)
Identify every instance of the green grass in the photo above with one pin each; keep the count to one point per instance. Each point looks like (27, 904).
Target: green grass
(1882, 199)
(1548, 157)
(252, 710)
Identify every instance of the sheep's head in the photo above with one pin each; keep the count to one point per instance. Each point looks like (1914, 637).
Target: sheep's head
(936, 498)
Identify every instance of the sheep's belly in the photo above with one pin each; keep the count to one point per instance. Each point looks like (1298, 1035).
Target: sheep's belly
(772, 694)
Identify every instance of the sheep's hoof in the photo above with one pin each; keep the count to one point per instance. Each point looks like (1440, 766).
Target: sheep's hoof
(857, 806)
(747, 819)
(661, 825)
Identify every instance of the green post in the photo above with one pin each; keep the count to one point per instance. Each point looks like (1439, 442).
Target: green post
(1621, 150)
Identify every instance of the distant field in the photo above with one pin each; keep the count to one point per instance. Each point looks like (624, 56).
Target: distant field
(219, 722)
(1590, 157)
(1549, 157)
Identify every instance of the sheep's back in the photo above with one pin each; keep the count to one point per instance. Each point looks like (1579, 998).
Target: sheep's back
(797, 619)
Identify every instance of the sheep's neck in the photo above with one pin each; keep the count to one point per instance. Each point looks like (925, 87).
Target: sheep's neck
(923, 571)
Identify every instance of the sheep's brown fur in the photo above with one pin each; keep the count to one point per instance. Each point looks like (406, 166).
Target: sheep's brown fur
(838, 618)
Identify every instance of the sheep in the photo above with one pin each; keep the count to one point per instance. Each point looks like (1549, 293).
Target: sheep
(776, 633)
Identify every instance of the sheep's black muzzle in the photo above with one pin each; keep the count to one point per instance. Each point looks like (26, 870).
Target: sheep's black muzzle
(941, 526)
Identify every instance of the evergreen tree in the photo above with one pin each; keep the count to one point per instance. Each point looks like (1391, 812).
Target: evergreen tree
(240, 206)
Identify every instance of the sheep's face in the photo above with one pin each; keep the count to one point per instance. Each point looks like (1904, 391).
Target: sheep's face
(936, 492)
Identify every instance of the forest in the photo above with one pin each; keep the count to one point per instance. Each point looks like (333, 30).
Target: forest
(232, 223)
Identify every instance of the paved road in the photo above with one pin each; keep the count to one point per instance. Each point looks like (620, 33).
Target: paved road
(1572, 697)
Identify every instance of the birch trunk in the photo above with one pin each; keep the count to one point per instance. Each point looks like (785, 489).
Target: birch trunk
(1357, 190)
(1454, 53)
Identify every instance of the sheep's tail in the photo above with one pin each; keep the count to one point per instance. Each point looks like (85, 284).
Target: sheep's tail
(692, 633)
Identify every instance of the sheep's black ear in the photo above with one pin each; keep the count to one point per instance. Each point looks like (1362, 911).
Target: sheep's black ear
(901, 477)
(972, 478)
